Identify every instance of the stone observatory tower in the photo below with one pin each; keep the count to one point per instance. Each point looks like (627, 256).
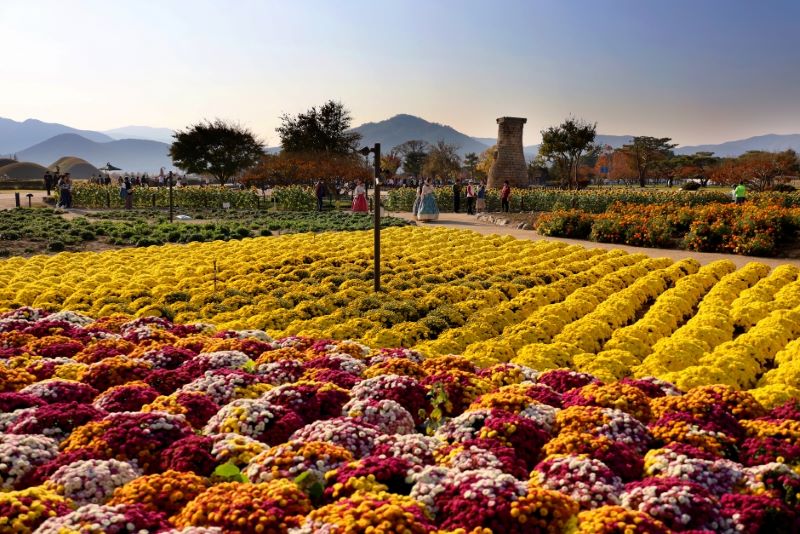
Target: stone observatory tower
(509, 163)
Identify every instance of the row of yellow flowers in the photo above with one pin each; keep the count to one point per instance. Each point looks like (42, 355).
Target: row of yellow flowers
(493, 299)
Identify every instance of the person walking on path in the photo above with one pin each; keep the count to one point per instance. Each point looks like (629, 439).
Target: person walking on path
(48, 182)
(319, 190)
(505, 193)
(470, 198)
(65, 191)
(360, 198)
(128, 187)
(457, 195)
(427, 210)
(481, 201)
(740, 193)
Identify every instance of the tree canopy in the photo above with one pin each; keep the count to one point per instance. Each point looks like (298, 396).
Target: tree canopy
(413, 154)
(761, 170)
(289, 168)
(565, 144)
(319, 130)
(442, 161)
(218, 148)
(645, 151)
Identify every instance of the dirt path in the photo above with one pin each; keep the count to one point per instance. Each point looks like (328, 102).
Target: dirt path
(7, 199)
(462, 221)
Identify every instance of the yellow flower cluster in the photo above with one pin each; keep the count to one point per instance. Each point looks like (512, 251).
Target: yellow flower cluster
(492, 299)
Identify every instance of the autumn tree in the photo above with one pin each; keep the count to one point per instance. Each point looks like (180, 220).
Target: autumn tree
(485, 162)
(289, 168)
(221, 149)
(391, 162)
(564, 146)
(622, 167)
(319, 130)
(697, 166)
(442, 161)
(645, 151)
(759, 169)
(413, 154)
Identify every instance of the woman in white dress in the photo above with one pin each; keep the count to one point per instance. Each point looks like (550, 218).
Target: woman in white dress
(427, 209)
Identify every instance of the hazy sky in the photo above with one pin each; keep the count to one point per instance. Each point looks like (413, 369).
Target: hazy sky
(695, 70)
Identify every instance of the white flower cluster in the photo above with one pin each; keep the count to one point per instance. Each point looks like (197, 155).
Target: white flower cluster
(474, 457)
(254, 334)
(284, 372)
(91, 518)
(20, 453)
(389, 416)
(375, 388)
(49, 389)
(248, 417)
(416, 449)
(543, 414)
(221, 388)
(71, 317)
(717, 476)
(224, 359)
(428, 484)
(355, 436)
(463, 427)
(92, 481)
(389, 354)
(624, 428)
(230, 445)
(583, 479)
(7, 419)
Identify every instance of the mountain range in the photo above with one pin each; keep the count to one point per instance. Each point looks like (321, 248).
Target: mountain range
(144, 148)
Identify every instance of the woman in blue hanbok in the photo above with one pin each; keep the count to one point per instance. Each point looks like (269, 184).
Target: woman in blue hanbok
(427, 209)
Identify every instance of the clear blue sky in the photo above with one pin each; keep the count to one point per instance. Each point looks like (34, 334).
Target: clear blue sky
(697, 71)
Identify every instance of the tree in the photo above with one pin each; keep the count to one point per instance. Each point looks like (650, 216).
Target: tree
(758, 169)
(565, 144)
(413, 154)
(289, 168)
(645, 151)
(470, 163)
(323, 130)
(697, 166)
(218, 148)
(391, 162)
(485, 161)
(622, 168)
(442, 161)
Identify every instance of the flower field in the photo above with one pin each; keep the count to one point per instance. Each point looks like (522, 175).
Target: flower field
(497, 385)
(142, 425)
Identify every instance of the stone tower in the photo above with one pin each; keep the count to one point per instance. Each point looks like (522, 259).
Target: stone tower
(509, 163)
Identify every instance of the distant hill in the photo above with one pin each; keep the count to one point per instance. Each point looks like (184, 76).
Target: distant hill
(128, 154)
(401, 128)
(769, 142)
(163, 135)
(16, 136)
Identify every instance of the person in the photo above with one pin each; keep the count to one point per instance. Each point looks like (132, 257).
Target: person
(48, 182)
(456, 195)
(65, 190)
(505, 193)
(470, 193)
(427, 209)
(417, 201)
(481, 202)
(740, 193)
(128, 186)
(360, 198)
(319, 189)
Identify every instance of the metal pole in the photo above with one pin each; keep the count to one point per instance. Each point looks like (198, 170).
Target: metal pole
(377, 152)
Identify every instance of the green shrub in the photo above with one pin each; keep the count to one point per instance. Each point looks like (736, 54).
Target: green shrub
(55, 246)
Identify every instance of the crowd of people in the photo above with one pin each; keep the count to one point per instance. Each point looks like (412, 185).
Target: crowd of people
(425, 207)
(61, 182)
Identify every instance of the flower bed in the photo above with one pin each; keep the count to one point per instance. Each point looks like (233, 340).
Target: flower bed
(244, 433)
(46, 230)
(758, 229)
(495, 300)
